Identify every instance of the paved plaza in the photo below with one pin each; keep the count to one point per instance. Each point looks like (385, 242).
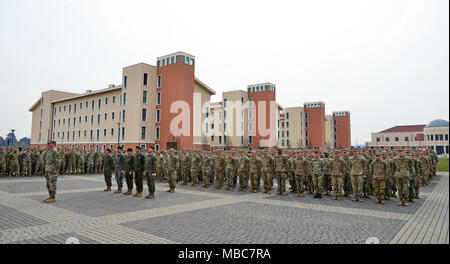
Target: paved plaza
(86, 214)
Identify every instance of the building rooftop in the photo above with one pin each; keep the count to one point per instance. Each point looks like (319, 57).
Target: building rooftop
(438, 123)
(407, 128)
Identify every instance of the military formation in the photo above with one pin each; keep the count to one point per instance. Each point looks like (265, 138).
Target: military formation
(356, 173)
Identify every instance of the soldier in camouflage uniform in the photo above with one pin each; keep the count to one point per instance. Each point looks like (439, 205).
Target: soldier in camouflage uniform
(420, 171)
(358, 171)
(231, 164)
(426, 168)
(281, 163)
(414, 175)
(243, 169)
(317, 169)
(27, 163)
(52, 163)
(301, 166)
(347, 185)
(138, 168)
(14, 163)
(207, 170)
(174, 164)
(254, 171)
(108, 169)
(195, 161)
(367, 179)
(129, 171)
(219, 167)
(71, 162)
(327, 185)
(39, 170)
(150, 173)
(402, 166)
(378, 170)
(119, 169)
(185, 168)
(291, 174)
(337, 171)
(389, 175)
(267, 169)
(90, 162)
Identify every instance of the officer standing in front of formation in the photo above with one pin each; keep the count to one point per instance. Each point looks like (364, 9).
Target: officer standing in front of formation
(52, 163)
(108, 169)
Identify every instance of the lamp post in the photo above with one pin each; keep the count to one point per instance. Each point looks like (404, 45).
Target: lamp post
(118, 134)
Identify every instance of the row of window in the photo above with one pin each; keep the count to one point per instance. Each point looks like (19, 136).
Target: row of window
(250, 140)
(66, 135)
(175, 59)
(340, 114)
(122, 118)
(261, 88)
(437, 137)
(64, 108)
(313, 105)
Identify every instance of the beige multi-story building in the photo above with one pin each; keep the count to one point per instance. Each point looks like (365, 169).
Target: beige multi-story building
(434, 135)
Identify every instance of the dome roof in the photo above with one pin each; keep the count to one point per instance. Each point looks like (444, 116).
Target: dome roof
(438, 123)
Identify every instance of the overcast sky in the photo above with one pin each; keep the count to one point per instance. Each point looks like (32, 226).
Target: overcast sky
(385, 61)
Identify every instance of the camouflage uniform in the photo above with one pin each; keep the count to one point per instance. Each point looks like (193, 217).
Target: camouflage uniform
(52, 164)
(2, 163)
(230, 171)
(138, 169)
(174, 164)
(327, 184)
(281, 164)
(195, 161)
(129, 172)
(160, 168)
(317, 168)
(185, 168)
(378, 170)
(267, 168)
(108, 168)
(357, 171)
(402, 166)
(208, 164)
(337, 171)
(219, 167)
(301, 166)
(254, 171)
(150, 170)
(14, 164)
(291, 175)
(243, 169)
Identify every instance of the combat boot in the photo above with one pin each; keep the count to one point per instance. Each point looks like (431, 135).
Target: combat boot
(283, 193)
(128, 192)
(244, 189)
(139, 194)
(150, 196)
(388, 198)
(377, 201)
(278, 193)
(339, 198)
(345, 194)
(335, 197)
(400, 203)
(412, 200)
(108, 189)
(381, 201)
(172, 190)
(300, 194)
(265, 190)
(118, 190)
(405, 203)
(316, 195)
(320, 196)
(50, 200)
(367, 196)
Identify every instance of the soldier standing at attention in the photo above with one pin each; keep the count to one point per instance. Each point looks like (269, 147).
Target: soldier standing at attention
(138, 168)
(119, 169)
(378, 170)
(327, 185)
(108, 169)
(255, 171)
(281, 164)
(402, 166)
(150, 173)
(291, 174)
(389, 181)
(317, 169)
(337, 170)
(185, 167)
(357, 172)
(129, 171)
(52, 163)
(300, 170)
(207, 169)
(194, 163)
(174, 163)
(267, 169)
(243, 168)
(219, 167)
(230, 168)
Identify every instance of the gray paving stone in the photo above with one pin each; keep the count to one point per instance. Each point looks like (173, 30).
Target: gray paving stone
(12, 218)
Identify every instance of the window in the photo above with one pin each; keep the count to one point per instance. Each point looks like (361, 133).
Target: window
(145, 79)
(378, 139)
(87, 104)
(123, 115)
(125, 79)
(98, 119)
(104, 132)
(157, 145)
(158, 98)
(387, 139)
(220, 139)
(250, 140)
(112, 115)
(84, 133)
(396, 139)
(441, 137)
(79, 119)
(282, 124)
(224, 127)
(212, 138)
(85, 119)
(157, 133)
(113, 99)
(99, 103)
(64, 108)
(287, 124)
(106, 100)
(250, 115)
(91, 135)
(123, 132)
(144, 97)
(282, 133)
(306, 115)
(143, 132)
(124, 98)
(287, 115)
(92, 105)
(158, 115)
(436, 137)
(431, 136)
(144, 114)
(406, 139)
(106, 116)
(306, 124)
(225, 102)
(207, 127)
(158, 81)
(287, 133)
(112, 131)
(306, 133)
(172, 60)
(446, 137)
(250, 127)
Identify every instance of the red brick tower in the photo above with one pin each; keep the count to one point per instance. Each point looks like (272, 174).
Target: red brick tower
(341, 129)
(315, 124)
